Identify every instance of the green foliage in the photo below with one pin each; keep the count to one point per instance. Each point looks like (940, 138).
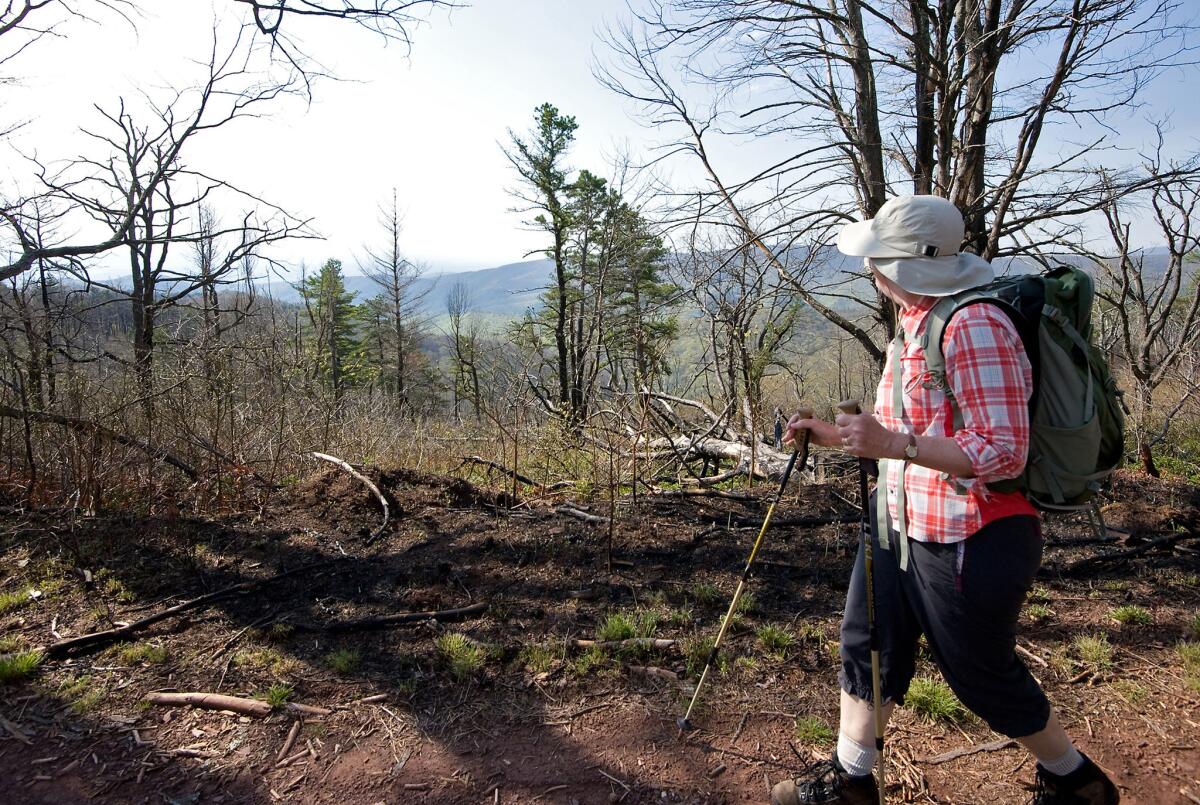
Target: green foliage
(1194, 626)
(695, 653)
(775, 640)
(280, 632)
(336, 351)
(10, 602)
(461, 656)
(277, 695)
(747, 604)
(343, 660)
(265, 659)
(617, 626)
(1094, 652)
(1131, 615)
(813, 731)
(932, 700)
(1040, 594)
(17, 666)
(681, 616)
(10, 643)
(142, 653)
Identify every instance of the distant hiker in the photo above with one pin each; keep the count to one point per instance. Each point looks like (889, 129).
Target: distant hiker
(962, 555)
(778, 428)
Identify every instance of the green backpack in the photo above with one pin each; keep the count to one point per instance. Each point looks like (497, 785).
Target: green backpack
(1077, 434)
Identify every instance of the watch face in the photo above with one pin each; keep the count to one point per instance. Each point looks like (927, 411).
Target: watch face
(910, 450)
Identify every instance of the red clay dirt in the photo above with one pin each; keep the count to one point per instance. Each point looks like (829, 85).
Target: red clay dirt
(540, 720)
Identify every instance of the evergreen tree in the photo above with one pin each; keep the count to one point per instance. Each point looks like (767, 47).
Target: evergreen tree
(336, 348)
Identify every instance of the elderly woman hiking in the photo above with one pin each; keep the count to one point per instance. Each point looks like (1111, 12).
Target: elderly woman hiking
(963, 555)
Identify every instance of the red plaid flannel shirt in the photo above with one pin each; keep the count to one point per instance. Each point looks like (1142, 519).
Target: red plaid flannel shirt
(992, 380)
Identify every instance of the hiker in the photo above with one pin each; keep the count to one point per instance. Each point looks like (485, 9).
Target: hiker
(960, 557)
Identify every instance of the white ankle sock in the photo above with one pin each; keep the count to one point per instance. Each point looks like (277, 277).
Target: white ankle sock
(855, 758)
(1059, 766)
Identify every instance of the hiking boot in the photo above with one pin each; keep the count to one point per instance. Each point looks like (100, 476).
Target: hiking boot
(826, 782)
(1087, 785)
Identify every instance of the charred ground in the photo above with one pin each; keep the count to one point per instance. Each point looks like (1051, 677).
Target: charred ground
(501, 705)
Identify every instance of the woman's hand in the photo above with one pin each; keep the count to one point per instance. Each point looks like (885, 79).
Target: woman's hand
(822, 433)
(861, 435)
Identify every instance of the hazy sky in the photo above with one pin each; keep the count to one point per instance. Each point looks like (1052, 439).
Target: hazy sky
(428, 124)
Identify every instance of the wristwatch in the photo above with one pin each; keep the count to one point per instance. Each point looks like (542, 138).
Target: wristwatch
(910, 449)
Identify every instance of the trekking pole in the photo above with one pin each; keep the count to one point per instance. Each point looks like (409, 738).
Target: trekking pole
(684, 723)
(850, 408)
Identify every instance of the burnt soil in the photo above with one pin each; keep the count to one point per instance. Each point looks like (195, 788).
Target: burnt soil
(540, 720)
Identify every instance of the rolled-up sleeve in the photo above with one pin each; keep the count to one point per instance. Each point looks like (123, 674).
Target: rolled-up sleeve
(992, 381)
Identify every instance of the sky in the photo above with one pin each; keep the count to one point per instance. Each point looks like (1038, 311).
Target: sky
(428, 122)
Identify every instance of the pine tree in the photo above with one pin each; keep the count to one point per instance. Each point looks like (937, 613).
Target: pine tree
(337, 349)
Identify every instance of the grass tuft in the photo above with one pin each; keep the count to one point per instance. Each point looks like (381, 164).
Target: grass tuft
(1189, 655)
(812, 730)
(538, 658)
(747, 604)
(1132, 692)
(82, 693)
(344, 660)
(276, 695)
(775, 640)
(695, 652)
(142, 653)
(1039, 612)
(1131, 615)
(17, 666)
(1094, 651)
(705, 594)
(932, 700)
(10, 602)
(462, 657)
(617, 626)
(592, 659)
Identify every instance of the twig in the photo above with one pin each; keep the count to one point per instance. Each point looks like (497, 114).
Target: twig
(1159, 542)
(211, 701)
(1029, 655)
(953, 754)
(632, 642)
(14, 731)
(289, 740)
(337, 462)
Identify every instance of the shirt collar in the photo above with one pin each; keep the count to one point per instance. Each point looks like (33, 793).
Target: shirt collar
(913, 317)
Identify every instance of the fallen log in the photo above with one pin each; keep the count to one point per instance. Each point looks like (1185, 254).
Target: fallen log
(211, 701)
(397, 619)
(342, 465)
(64, 647)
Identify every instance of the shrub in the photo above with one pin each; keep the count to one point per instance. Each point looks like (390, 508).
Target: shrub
(20, 665)
(462, 656)
(812, 730)
(343, 660)
(932, 700)
(1131, 615)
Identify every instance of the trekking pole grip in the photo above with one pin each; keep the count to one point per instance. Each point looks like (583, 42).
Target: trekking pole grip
(850, 407)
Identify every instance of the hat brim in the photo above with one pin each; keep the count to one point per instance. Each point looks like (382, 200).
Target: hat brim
(859, 240)
(937, 276)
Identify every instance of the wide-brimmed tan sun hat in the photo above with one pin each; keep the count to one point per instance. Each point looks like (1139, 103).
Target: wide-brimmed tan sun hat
(914, 241)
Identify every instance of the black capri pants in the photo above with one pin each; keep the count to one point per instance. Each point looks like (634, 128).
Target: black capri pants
(965, 598)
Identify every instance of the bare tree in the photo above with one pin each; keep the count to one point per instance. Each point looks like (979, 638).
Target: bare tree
(465, 343)
(1154, 299)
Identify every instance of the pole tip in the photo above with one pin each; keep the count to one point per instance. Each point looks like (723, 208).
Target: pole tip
(684, 725)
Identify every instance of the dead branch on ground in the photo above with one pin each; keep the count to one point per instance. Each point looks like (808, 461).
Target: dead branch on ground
(344, 466)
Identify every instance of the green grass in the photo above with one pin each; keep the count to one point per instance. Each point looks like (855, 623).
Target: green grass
(17, 666)
(1189, 655)
(1040, 594)
(681, 616)
(142, 653)
(276, 695)
(624, 626)
(10, 643)
(1039, 612)
(1194, 626)
(774, 640)
(1131, 615)
(82, 693)
(591, 660)
(747, 604)
(538, 658)
(280, 632)
(932, 700)
(462, 657)
(344, 660)
(1132, 692)
(705, 594)
(265, 659)
(695, 653)
(812, 730)
(10, 602)
(1094, 652)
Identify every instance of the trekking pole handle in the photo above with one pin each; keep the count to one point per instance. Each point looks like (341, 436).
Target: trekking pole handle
(850, 407)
